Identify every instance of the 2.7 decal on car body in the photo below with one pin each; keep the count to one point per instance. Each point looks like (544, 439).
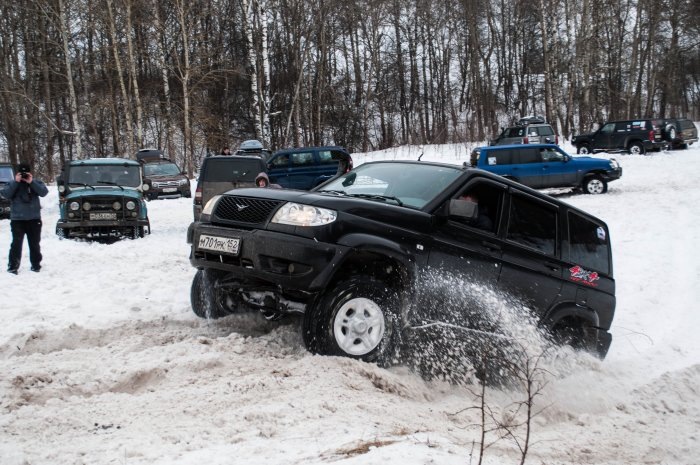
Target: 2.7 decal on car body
(584, 276)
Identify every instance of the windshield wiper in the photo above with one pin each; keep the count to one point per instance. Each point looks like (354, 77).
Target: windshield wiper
(378, 197)
(333, 192)
(110, 183)
(81, 184)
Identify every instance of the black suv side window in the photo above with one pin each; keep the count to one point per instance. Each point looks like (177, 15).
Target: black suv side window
(608, 128)
(588, 244)
(532, 224)
(489, 198)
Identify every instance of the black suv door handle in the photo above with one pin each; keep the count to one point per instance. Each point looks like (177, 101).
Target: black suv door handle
(491, 246)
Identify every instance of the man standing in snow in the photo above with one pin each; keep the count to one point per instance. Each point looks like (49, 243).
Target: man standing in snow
(25, 217)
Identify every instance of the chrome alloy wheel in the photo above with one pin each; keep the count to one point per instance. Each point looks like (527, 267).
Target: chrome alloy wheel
(359, 326)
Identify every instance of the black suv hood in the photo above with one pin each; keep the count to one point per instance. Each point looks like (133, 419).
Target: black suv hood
(387, 212)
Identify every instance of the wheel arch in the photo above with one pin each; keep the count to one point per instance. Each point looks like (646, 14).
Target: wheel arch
(379, 257)
(570, 312)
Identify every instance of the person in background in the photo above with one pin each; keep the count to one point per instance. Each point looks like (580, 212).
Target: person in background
(226, 151)
(25, 217)
(262, 180)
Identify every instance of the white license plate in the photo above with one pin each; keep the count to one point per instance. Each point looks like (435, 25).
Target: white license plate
(103, 216)
(219, 244)
(170, 189)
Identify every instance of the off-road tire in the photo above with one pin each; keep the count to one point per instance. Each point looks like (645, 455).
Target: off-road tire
(636, 148)
(207, 298)
(583, 149)
(594, 185)
(358, 318)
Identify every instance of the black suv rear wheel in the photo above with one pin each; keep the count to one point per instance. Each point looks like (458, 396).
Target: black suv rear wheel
(357, 318)
(636, 148)
(583, 149)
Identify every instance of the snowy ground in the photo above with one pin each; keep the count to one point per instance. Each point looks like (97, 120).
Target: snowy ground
(103, 362)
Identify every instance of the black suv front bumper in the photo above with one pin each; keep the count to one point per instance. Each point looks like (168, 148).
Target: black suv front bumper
(277, 259)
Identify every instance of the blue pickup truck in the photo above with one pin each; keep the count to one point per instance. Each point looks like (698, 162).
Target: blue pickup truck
(546, 165)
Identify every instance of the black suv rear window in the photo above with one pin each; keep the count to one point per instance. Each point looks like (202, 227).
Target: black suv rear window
(588, 244)
(685, 124)
(232, 169)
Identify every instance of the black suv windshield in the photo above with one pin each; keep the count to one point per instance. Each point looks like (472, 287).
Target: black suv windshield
(161, 169)
(96, 175)
(412, 184)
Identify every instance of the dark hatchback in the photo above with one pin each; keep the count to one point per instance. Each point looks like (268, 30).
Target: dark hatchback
(351, 256)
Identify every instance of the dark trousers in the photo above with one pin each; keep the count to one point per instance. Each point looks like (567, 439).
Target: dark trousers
(20, 228)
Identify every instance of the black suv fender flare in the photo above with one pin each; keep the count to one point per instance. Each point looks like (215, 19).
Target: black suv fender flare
(570, 310)
(380, 249)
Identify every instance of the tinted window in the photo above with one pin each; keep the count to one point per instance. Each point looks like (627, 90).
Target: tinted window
(6, 174)
(545, 131)
(302, 159)
(489, 198)
(608, 128)
(515, 132)
(685, 124)
(101, 174)
(232, 169)
(499, 157)
(532, 224)
(551, 154)
(528, 156)
(280, 161)
(161, 169)
(588, 244)
(325, 157)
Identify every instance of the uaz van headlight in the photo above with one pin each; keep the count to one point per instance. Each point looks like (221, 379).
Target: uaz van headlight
(74, 206)
(130, 205)
(297, 214)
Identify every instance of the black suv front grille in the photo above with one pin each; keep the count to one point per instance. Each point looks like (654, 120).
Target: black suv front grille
(245, 209)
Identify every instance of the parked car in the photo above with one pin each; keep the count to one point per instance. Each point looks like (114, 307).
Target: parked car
(166, 179)
(306, 167)
(679, 132)
(355, 257)
(633, 136)
(545, 165)
(7, 174)
(529, 130)
(102, 198)
(219, 174)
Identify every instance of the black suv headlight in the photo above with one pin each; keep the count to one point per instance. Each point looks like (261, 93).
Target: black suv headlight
(297, 214)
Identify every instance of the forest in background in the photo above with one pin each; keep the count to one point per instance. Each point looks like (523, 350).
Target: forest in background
(96, 78)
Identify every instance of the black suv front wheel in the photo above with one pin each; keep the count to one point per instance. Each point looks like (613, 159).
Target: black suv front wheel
(208, 297)
(357, 318)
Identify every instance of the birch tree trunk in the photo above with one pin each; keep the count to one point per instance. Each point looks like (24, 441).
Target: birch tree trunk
(248, 19)
(182, 15)
(165, 104)
(122, 85)
(134, 79)
(77, 131)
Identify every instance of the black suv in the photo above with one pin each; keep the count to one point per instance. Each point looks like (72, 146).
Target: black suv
(221, 173)
(357, 256)
(634, 136)
(7, 174)
(679, 132)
